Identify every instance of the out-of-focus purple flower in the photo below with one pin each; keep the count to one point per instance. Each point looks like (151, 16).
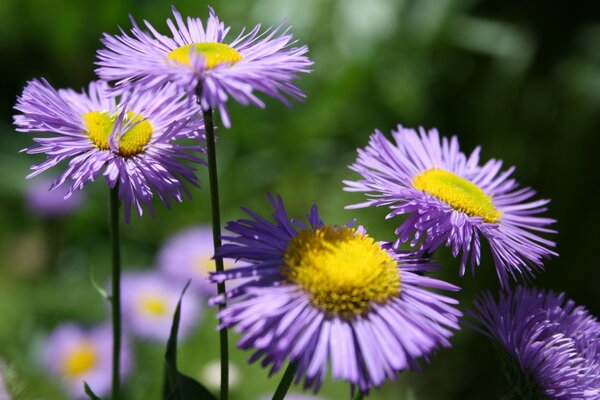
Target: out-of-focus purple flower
(43, 202)
(320, 295)
(188, 254)
(197, 59)
(148, 304)
(555, 342)
(131, 142)
(450, 199)
(74, 355)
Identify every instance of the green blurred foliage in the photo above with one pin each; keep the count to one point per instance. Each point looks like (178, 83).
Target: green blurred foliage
(520, 79)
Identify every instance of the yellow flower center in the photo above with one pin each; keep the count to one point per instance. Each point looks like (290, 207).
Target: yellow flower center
(458, 193)
(99, 126)
(153, 306)
(80, 360)
(343, 271)
(214, 53)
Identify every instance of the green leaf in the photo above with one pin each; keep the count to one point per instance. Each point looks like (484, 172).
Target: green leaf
(95, 285)
(178, 386)
(90, 392)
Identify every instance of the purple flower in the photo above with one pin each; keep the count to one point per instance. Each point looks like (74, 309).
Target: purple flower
(130, 142)
(149, 301)
(74, 355)
(450, 199)
(555, 342)
(321, 294)
(189, 255)
(43, 202)
(197, 59)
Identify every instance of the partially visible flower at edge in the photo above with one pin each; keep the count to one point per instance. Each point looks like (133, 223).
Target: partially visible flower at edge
(131, 143)
(319, 294)
(148, 303)
(198, 61)
(450, 199)
(74, 355)
(554, 342)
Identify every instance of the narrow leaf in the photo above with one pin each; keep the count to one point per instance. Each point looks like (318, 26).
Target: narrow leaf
(178, 386)
(90, 392)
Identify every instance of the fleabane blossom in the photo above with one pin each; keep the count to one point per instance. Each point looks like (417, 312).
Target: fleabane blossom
(133, 141)
(450, 199)
(329, 296)
(199, 60)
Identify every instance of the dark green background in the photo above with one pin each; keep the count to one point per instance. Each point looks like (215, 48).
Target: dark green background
(521, 79)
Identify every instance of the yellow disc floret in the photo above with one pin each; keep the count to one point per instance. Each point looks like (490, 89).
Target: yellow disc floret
(214, 53)
(99, 126)
(80, 360)
(344, 271)
(153, 306)
(458, 193)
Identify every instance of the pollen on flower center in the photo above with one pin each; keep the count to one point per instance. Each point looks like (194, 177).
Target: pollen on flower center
(213, 52)
(99, 126)
(343, 271)
(458, 193)
(80, 360)
(153, 306)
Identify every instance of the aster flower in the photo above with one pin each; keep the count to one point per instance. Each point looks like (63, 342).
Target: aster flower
(74, 355)
(130, 142)
(197, 59)
(555, 343)
(148, 304)
(450, 199)
(188, 254)
(44, 202)
(322, 294)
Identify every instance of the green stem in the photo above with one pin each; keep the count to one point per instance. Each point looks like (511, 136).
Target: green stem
(359, 396)
(115, 298)
(209, 128)
(286, 381)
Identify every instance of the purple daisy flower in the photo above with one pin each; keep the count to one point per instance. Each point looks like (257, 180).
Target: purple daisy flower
(43, 202)
(555, 342)
(321, 294)
(149, 301)
(130, 142)
(451, 199)
(74, 355)
(189, 255)
(197, 60)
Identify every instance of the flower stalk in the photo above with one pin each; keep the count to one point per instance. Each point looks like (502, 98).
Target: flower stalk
(209, 128)
(115, 298)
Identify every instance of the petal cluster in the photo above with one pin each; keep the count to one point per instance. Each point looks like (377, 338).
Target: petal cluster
(132, 140)
(277, 319)
(74, 355)
(555, 342)
(459, 202)
(267, 61)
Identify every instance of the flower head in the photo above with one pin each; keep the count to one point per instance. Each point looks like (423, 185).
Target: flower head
(450, 199)
(555, 343)
(74, 355)
(318, 294)
(44, 202)
(131, 140)
(198, 59)
(149, 301)
(189, 255)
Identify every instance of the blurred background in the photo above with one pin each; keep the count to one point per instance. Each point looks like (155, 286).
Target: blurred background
(521, 79)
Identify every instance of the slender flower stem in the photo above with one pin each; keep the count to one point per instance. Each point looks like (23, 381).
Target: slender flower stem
(209, 128)
(286, 381)
(115, 298)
